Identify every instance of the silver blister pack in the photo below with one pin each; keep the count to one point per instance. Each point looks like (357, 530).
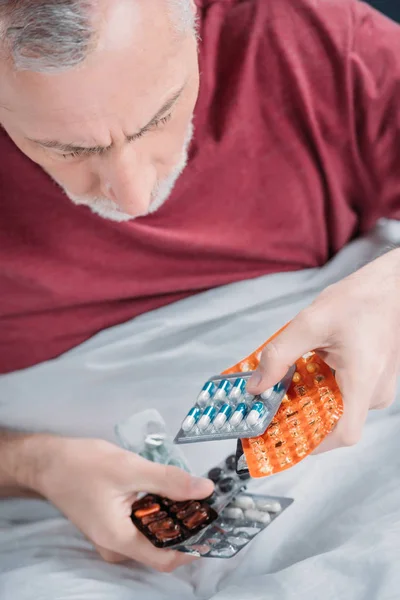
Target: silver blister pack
(225, 410)
(237, 525)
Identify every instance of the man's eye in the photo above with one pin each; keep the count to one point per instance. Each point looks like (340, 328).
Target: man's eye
(164, 120)
(153, 126)
(71, 155)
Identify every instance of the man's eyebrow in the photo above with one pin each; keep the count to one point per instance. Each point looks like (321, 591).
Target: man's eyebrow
(164, 109)
(69, 148)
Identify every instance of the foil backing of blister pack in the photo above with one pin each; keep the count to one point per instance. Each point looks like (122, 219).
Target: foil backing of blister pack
(217, 527)
(236, 526)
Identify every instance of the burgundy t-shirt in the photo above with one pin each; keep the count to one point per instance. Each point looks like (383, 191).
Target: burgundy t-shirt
(296, 152)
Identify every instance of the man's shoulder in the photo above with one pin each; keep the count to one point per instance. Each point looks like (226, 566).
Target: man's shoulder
(313, 6)
(329, 17)
(313, 31)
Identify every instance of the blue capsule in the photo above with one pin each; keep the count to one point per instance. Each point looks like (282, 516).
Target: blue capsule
(207, 417)
(223, 390)
(223, 415)
(239, 414)
(191, 419)
(238, 389)
(206, 393)
(257, 412)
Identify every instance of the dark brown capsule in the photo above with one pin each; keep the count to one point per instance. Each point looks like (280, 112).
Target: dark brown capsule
(168, 502)
(154, 517)
(143, 502)
(168, 534)
(193, 506)
(196, 519)
(180, 506)
(161, 525)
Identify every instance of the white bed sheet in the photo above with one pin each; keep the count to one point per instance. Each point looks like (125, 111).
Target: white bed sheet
(341, 537)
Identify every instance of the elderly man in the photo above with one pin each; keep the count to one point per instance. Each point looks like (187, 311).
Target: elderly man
(152, 149)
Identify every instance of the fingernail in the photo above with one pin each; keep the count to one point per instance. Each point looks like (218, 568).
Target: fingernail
(200, 485)
(255, 380)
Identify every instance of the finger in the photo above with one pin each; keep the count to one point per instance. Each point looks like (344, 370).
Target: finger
(299, 337)
(171, 482)
(169, 560)
(356, 402)
(110, 556)
(134, 545)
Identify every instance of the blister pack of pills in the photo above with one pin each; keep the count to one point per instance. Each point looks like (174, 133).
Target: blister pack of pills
(228, 483)
(216, 527)
(225, 410)
(145, 433)
(236, 526)
(166, 522)
(309, 412)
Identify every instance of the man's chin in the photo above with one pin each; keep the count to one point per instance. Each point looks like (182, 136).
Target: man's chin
(106, 208)
(102, 207)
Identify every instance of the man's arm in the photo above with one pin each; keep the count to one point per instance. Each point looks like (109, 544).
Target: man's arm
(23, 457)
(93, 483)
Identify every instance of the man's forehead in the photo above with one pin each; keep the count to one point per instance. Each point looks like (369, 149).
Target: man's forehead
(128, 67)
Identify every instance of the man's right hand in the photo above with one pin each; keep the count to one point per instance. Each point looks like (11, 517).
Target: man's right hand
(94, 484)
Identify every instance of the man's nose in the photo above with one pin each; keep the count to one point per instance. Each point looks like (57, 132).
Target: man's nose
(128, 182)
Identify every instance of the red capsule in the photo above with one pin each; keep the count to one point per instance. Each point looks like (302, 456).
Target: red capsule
(144, 512)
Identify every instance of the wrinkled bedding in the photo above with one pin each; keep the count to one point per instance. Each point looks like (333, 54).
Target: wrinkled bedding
(339, 540)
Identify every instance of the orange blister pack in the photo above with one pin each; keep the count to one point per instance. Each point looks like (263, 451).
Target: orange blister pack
(308, 413)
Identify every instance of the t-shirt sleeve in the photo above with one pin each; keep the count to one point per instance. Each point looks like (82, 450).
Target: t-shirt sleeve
(374, 90)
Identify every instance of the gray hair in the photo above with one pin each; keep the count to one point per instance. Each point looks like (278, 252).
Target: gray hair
(55, 35)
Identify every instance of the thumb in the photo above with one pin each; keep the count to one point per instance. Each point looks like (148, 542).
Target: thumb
(283, 351)
(110, 556)
(171, 482)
